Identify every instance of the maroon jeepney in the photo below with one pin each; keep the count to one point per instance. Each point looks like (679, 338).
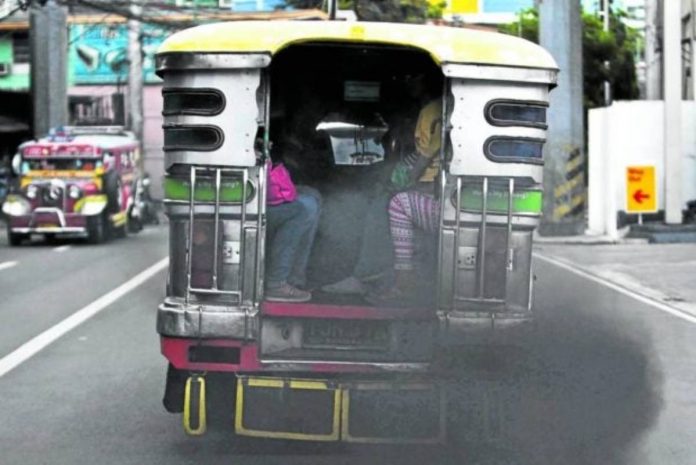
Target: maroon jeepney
(76, 181)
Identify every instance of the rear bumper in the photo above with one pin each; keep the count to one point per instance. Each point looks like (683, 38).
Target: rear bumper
(229, 339)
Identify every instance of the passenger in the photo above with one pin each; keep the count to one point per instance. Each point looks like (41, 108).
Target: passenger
(292, 216)
(421, 167)
(415, 207)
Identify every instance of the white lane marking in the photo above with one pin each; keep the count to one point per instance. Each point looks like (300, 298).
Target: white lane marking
(6, 265)
(33, 346)
(617, 287)
(61, 248)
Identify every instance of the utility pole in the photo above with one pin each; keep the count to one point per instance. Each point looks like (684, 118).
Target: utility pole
(135, 76)
(606, 10)
(49, 58)
(564, 152)
(672, 52)
(332, 7)
(653, 58)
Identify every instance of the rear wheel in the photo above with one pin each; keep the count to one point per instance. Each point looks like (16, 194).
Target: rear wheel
(96, 230)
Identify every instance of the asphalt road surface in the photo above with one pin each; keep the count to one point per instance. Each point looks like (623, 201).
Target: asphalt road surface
(603, 378)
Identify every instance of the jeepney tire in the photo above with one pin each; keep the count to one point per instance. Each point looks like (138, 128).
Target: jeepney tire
(96, 229)
(15, 239)
(174, 388)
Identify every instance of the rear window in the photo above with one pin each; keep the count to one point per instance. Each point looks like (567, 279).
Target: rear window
(196, 138)
(516, 113)
(200, 102)
(514, 149)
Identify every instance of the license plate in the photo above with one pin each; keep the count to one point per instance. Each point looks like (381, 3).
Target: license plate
(345, 334)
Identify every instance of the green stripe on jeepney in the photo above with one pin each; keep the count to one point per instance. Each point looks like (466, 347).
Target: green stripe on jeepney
(230, 190)
(527, 202)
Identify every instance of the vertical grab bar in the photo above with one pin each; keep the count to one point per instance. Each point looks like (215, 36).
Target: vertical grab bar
(260, 233)
(482, 245)
(457, 225)
(216, 228)
(189, 242)
(508, 240)
(242, 238)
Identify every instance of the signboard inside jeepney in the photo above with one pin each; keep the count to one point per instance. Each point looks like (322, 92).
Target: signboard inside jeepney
(641, 189)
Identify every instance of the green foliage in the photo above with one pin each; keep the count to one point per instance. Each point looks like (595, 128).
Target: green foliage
(616, 46)
(398, 11)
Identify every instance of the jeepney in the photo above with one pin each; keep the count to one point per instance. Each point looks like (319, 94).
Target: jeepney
(331, 369)
(75, 181)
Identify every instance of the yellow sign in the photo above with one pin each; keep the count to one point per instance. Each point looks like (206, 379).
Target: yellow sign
(641, 190)
(463, 6)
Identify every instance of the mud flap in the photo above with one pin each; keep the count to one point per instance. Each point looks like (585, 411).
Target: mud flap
(396, 413)
(319, 410)
(296, 409)
(195, 423)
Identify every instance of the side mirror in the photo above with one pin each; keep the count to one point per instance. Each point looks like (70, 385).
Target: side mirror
(17, 164)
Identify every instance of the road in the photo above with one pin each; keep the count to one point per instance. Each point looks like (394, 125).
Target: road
(605, 378)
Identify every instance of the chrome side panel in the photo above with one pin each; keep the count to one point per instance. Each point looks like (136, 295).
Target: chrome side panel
(470, 129)
(210, 61)
(547, 77)
(239, 120)
(485, 253)
(175, 318)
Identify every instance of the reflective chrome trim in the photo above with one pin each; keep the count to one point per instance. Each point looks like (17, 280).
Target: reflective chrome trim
(52, 230)
(457, 326)
(206, 321)
(57, 211)
(177, 61)
(501, 73)
(304, 365)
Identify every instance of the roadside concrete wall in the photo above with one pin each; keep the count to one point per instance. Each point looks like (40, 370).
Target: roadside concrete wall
(632, 133)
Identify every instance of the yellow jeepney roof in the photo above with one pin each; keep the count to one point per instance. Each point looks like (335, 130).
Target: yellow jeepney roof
(444, 44)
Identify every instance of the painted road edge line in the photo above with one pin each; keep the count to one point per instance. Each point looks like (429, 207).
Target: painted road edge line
(36, 344)
(617, 287)
(61, 248)
(6, 265)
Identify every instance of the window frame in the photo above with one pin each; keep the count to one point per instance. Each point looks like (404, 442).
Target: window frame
(498, 159)
(194, 112)
(220, 139)
(488, 113)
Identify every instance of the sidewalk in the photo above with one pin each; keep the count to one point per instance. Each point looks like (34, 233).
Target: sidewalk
(662, 272)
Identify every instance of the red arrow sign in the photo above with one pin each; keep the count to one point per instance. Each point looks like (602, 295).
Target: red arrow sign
(639, 196)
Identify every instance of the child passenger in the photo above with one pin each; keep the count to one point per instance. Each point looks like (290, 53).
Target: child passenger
(292, 216)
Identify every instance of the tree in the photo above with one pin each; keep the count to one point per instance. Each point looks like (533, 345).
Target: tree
(617, 46)
(398, 11)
